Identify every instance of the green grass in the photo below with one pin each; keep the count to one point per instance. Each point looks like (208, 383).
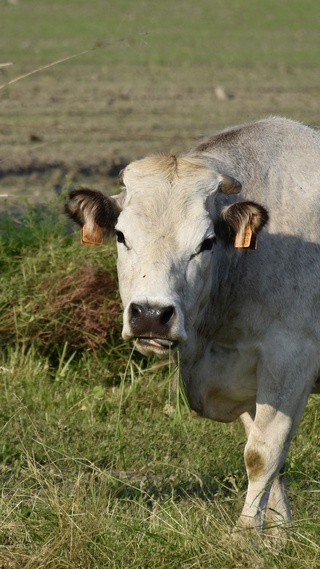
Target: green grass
(240, 32)
(101, 463)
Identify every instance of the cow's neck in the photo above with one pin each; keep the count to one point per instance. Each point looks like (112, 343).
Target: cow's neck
(219, 313)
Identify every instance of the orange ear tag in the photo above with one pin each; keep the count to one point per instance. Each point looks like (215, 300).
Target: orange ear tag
(93, 237)
(245, 239)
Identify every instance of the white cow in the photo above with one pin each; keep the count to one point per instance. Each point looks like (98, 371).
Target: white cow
(245, 318)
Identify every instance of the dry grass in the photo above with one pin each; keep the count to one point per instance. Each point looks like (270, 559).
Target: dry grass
(82, 309)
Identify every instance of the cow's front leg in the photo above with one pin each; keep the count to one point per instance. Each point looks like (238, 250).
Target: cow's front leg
(283, 386)
(265, 455)
(278, 508)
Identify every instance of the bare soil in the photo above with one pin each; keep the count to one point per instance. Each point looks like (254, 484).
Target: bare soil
(79, 125)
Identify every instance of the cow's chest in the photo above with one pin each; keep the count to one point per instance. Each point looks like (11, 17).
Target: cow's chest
(220, 382)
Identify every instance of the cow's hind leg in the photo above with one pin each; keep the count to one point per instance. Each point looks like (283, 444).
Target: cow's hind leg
(278, 507)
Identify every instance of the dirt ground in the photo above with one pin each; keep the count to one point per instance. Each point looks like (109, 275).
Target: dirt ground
(141, 77)
(76, 124)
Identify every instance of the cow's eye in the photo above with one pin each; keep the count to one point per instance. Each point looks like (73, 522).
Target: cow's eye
(120, 237)
(207, 244)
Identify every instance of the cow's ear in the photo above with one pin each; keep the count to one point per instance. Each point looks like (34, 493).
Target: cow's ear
(229, 185)
(96, 213)
(240, 223)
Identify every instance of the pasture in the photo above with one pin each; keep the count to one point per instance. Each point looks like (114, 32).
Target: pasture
(101, 465)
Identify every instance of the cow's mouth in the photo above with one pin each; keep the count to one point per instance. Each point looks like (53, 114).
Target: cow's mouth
(157, 344)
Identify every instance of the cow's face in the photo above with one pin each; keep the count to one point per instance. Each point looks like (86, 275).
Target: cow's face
(164, 224)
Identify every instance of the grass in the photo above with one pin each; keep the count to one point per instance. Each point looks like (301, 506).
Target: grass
(163, 33)
(101, 465)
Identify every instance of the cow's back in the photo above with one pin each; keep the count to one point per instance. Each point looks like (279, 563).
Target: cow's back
(277, 162)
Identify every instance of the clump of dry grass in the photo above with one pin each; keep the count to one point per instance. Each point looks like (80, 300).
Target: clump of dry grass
(82, 308)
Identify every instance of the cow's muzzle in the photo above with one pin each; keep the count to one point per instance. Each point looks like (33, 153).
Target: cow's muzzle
(153, 327)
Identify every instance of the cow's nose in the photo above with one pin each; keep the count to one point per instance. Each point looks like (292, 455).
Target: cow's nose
(150, 321)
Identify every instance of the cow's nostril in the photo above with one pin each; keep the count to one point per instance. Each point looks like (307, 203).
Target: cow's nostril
(166, 314)
(136, 310)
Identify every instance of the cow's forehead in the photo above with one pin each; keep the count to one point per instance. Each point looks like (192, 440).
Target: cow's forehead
(165, 171)
(162, 183)
(166, 196)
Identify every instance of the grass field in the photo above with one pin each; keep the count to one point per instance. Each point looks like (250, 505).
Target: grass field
(101, 465)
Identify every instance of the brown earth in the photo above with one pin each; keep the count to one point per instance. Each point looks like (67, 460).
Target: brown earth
(71, 126)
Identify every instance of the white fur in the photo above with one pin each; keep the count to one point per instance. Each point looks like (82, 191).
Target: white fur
(248, 322)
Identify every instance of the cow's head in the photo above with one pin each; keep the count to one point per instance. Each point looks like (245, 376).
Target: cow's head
(167, 226)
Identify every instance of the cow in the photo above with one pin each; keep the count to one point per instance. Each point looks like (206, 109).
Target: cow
(219, 262)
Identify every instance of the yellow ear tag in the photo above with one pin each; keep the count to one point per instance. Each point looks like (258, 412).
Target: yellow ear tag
(93, 237)
(245, 239)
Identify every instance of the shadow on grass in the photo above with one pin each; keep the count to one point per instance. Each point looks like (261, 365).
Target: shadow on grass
(153, 487)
